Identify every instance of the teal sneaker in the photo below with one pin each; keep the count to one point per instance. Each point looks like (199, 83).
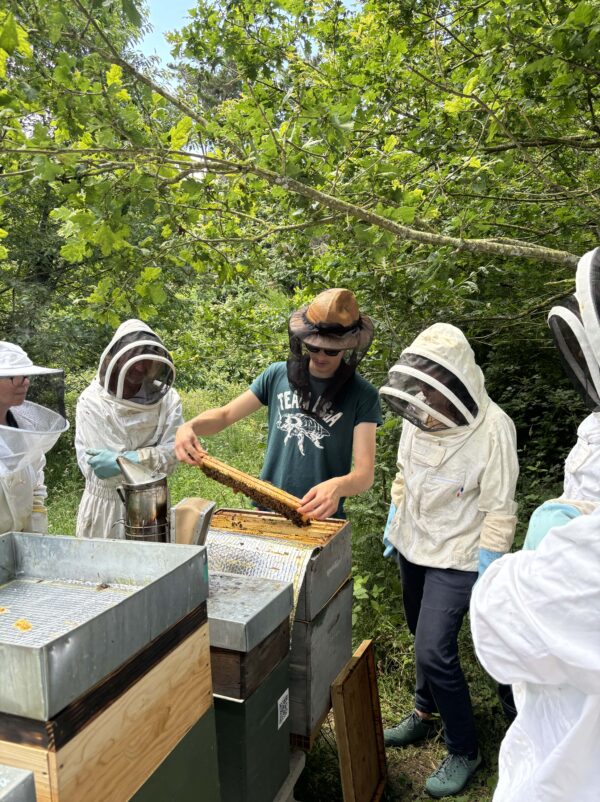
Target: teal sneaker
(451, 776)
(411, 729)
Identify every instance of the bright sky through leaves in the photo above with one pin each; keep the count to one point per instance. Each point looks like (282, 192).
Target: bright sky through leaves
(165, 15)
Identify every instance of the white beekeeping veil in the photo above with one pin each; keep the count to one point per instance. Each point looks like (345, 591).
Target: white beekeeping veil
(435, 382)
(578, 359)
(136, 368)
(575, 328)
(33, 428)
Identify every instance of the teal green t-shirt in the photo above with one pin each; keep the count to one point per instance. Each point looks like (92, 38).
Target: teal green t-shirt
(303, 450)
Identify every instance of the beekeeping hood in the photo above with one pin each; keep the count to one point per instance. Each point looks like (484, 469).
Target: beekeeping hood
(136, 369)
(38, 423)
(436, 384)
(575, 328)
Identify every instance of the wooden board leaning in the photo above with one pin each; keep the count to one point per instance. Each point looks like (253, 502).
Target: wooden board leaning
(358, 728)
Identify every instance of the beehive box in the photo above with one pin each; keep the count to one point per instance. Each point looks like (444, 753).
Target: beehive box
(73, 610)
(249, 630)
(108, 744)
(191, 766)
(271, 546)
(317, 560)
(253, 737)
(320, 649)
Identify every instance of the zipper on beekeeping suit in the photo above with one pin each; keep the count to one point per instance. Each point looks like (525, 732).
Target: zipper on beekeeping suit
(162, 416)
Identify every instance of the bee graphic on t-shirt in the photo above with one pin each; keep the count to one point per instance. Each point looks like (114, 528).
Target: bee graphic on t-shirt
(300, 426)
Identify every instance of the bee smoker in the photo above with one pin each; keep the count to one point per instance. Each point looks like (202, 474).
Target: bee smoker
(146, 499)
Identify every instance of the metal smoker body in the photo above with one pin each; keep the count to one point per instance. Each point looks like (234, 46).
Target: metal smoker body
(146, 499)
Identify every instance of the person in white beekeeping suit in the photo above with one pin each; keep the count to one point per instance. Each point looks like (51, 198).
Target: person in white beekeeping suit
(575, 328)
(535, 623)
(453, 512)
(130, 409)
(27, 431)
(534, 615)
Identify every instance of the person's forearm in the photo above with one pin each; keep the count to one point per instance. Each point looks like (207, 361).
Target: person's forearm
(354, 482)
(211, 421)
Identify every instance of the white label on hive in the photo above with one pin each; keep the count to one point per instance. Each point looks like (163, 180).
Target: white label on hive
(283, 708)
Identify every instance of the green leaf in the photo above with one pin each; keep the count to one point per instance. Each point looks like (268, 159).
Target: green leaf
(455, 105)
(9, 36)
(157, 293)
(45, 169)
(583, 14)
(131, 12)
(180, 133)
(75, 251)
(390, 143)
(107, 239)
(150, 274)
(405, 214)
(114, 75)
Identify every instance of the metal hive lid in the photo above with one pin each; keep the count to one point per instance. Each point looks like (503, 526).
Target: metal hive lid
(244, 610)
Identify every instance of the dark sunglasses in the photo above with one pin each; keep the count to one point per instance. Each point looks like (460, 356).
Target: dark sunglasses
(327, 351)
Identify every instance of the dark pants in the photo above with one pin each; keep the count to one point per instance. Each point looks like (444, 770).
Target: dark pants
(507, 700)
(435, 603)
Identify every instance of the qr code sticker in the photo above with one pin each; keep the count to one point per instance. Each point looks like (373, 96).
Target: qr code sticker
(283, 708)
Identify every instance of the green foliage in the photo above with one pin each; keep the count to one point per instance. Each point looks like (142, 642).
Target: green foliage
(440, 161)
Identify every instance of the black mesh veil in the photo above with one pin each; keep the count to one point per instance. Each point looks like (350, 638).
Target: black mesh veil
(576, 353)
(354, 340)
(428, 394)
(588, 298)
(137, 368)
(48, 390)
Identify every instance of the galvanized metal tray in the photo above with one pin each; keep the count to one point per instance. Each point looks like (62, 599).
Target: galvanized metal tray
(72, 610)
(16, 785)
(244, 610)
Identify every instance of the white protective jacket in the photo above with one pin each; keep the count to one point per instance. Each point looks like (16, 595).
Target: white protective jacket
(102, 421)
(535, 622)
(454, 490)
(22, 461)
(22, 495)
(582, 466)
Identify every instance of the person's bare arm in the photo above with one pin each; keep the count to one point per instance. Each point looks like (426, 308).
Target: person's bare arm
(323, 499)
(187, 447)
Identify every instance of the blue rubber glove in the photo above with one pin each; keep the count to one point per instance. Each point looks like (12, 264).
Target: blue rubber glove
(389, 550)
(544, 518)
(104, 462)
(487, 557)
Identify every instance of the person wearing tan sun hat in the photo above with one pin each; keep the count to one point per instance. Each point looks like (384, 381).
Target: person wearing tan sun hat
(322, 414)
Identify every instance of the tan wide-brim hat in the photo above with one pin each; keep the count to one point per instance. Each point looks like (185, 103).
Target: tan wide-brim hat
(332, 320)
